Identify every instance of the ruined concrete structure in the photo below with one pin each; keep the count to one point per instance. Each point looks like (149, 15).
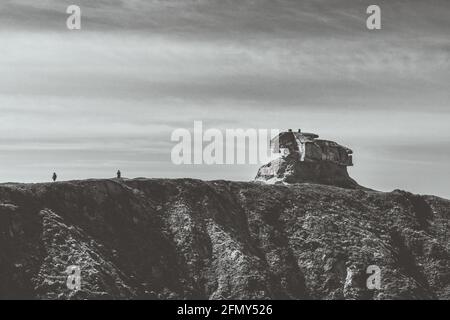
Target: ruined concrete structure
(308, 148)
(305, 158)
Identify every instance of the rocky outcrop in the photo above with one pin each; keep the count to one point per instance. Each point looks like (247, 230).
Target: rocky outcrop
(304, 158)
(289, 170)
(185, 239)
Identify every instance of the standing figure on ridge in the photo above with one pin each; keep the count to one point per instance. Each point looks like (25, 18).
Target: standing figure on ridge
(119, 174)
(54, 176)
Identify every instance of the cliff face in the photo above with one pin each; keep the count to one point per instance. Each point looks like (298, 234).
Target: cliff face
(186, 238)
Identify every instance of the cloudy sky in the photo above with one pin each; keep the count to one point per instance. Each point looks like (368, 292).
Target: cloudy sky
(84, 103)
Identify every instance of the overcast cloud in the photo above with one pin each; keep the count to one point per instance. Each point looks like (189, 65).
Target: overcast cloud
(84, 103)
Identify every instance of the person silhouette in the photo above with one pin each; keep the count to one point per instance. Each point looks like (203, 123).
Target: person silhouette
(119, 174)
(54, 176)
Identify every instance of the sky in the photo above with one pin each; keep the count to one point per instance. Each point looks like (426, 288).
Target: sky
(87, 102)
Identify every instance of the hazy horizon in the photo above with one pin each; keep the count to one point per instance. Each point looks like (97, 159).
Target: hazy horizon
(86, 103)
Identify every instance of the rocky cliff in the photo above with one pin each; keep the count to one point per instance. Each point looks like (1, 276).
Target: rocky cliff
(176, 239)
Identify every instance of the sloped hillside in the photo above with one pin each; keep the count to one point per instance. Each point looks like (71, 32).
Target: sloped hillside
(176, 239)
